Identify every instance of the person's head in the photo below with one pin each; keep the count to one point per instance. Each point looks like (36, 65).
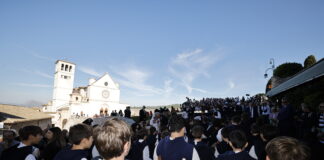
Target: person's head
(141, 134)
(113, 139)
(31, 134)
(197, 131)
(152, 130)
(236, 120)
(255, 129)
(81, 134)
(9, 135)
(305, 108)
(238, 140)
(225, 133)
(321, 107)
(284, 101)
(268, 132)
(53, 133)
(287, 148)
(177, 124)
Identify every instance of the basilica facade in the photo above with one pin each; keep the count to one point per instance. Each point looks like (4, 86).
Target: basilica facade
(100, 97)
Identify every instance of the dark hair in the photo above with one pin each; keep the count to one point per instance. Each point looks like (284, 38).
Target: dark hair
(255, 129)
(111, 138)
(226, 131)
(27, 131)
(58, 137)
(236, 119)
(176, 123)
(197, 131)
(238, 139)
(269, 132)
(78, 132)
(152, 130)
(164, 134)
(141, 133)
(287, 148)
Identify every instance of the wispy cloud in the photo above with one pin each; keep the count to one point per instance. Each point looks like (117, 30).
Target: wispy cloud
(189, 65)
(37, 72)
(39, 56)
(36, 54)
(231, 84)
(136, 78)
(45, 75)
(33, 85)
(89, 71)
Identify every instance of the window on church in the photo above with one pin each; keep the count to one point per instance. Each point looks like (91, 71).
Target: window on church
(106, 83)
(70, 68)
(76, 98)
(66, 67)
(62, 67)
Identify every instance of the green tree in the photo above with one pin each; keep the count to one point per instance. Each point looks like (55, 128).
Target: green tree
(287, 69)
(309, 61)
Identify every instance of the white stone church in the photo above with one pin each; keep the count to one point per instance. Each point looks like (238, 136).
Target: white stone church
(99, 97)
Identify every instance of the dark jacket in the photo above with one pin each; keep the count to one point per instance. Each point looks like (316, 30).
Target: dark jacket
(236, 156)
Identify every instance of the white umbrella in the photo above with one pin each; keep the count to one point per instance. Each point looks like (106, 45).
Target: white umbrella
(102, 120)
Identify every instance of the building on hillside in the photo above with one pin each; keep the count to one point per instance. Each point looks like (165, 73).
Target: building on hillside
(16, 117)
(99, 97)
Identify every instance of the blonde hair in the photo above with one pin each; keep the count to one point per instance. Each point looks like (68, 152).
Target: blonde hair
(111, 138)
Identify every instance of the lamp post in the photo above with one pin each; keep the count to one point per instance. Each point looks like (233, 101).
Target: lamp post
(272, 63)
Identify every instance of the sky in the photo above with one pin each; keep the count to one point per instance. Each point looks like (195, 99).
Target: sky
(158, 51)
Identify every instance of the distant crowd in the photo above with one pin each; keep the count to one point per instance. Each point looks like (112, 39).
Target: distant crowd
(207, 129)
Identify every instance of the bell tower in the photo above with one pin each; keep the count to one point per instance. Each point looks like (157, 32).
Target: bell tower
(63, 83)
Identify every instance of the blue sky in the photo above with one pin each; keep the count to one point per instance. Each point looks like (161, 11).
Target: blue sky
(158, 51)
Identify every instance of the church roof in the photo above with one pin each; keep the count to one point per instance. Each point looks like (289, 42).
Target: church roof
(64, 61)
(16, 114)
(108, 77)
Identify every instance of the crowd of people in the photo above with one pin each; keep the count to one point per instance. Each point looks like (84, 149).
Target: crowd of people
(208, 129)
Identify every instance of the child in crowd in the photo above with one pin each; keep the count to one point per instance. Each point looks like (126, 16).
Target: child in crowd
(287, 148)
(174, 147)
(80, 136)
(113, 139)
(204, 151)
(238, 142)
(140, 149)
(29, 135)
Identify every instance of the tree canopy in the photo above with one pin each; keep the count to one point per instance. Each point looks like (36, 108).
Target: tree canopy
(309, 61)
(287, 69)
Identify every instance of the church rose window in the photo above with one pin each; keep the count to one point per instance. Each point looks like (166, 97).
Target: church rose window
(106, 83)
